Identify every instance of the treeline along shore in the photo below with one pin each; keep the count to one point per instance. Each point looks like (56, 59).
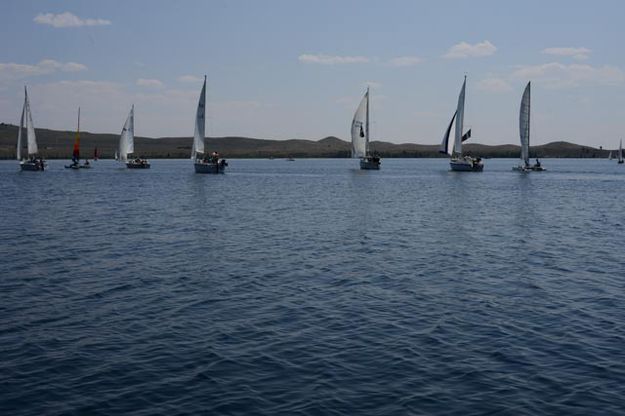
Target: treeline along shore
(54, 144)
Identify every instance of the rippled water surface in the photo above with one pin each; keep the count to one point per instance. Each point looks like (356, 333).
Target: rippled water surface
(313, 288)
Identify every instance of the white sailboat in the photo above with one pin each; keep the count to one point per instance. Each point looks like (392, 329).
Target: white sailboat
(360, 136)
(127, 145)
(458, 161)
(610, 155)
(524, 133)
(32, 162)
(620, 152)
(203, 162)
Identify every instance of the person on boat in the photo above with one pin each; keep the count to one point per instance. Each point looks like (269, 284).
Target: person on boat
(86, 162)
(537, 163)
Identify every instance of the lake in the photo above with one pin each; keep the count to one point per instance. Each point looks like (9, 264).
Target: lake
(313, 288)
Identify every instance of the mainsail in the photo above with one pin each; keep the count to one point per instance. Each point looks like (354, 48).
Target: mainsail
(27, 119)
(524, 125)
(76, 150)
(127, 138)
(360, 128)
(620, 151)
(459, 120)
(19, 132)
(200, 124)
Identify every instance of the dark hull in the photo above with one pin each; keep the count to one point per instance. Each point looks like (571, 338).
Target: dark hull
(210, 167)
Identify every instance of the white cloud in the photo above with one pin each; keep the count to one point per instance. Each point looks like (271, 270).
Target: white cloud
(332, 59)
(466, 50)
(150, 83)
(67, 19)
(13, 71)
(494, 85)
(405, 61)
(557, 75)
(575, 53)
(189, 78)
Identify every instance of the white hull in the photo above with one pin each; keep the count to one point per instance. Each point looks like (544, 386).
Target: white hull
(466, 164)
(30, 165)
(138, 164)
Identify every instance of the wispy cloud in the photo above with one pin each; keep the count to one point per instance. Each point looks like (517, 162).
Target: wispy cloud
(150, 83)
(558, 75)
(67, 19)
(189, 78)
(13, 71)
(494, 84)
(466, 50)
(405, 61)
(575, 53)
(324, 59)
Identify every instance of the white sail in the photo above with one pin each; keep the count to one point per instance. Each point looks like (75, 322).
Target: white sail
(620, 151)
(200, 124)
(127, 138)
(360, 128)
(19, 132)
(524, 125)
(460, 120)
(30, 127)
(610, 155)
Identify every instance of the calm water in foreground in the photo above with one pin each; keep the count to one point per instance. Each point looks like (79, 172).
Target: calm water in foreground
(313, 288)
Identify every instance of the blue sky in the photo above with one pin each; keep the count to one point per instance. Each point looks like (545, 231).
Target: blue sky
(297, 69)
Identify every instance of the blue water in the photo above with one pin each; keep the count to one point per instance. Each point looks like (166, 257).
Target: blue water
(313, 288)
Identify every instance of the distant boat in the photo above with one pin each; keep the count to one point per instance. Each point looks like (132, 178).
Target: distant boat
(76, 151)
(290, 159)
(202, 162)
(95, 154)
(620, 152)
(127, 144)
(360, 136)
(458, 161)
(610, 155)
(33, 162)
(524, 132)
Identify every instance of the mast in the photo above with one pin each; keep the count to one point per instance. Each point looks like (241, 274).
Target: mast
(76, 151)
(367, 125)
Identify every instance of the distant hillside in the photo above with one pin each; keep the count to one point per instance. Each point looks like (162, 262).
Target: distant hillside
(58, 145)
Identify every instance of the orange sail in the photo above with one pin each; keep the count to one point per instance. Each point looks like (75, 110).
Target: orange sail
(76, 151)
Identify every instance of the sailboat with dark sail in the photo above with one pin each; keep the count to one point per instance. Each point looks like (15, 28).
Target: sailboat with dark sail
(360, 136)
(458, 161)
(524, 133)
(33, 162)
(204, 162)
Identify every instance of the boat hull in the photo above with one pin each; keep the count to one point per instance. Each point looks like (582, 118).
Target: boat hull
(28, 165)
(370, 163)
(210, 167)
(141, 164)
(466, 164)
(529, 168)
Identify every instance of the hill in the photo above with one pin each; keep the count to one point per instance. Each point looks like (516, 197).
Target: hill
(56, 144)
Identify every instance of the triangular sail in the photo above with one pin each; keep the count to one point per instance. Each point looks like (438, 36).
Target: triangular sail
(444, 148)
(30, 128)
(360, 128)
(524, 125)
(76, 150)
(127, 138)
(19, 132)
(200, 124)
(460, 120)
(620, 151)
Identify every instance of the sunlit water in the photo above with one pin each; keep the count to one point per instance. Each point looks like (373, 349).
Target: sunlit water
(313, 288)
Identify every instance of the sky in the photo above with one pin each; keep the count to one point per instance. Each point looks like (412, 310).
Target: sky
(284, 69)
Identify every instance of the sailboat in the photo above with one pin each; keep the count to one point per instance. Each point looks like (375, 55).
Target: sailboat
(524, 132)
(610, 155)
(76, 151)
(620, 152)
(203, 162)
(32, 162)
(458, 161)
(360, 136)
(95, 154)
(127, 145)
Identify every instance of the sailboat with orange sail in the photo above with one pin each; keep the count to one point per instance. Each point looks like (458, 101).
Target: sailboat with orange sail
(76, 151)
